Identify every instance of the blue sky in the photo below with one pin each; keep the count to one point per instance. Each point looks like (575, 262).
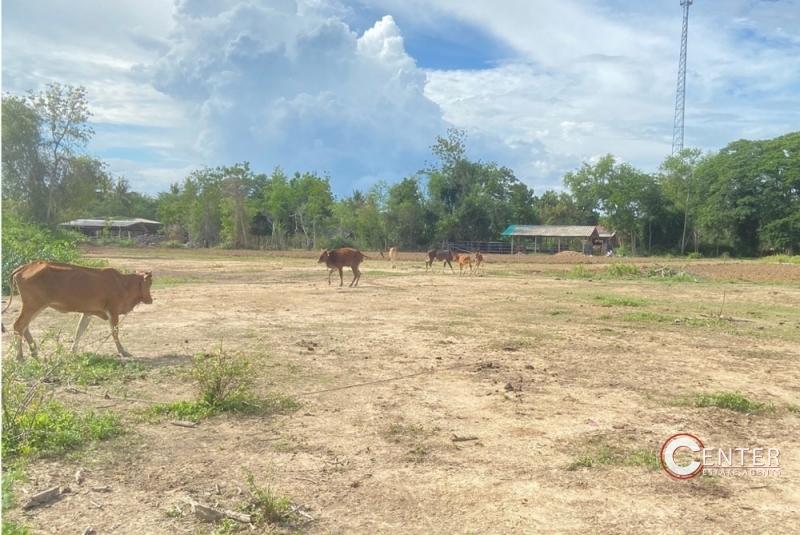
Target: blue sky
(359, 90)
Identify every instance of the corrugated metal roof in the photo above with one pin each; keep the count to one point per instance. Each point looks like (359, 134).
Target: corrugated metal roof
(112, 222)
(548, 231)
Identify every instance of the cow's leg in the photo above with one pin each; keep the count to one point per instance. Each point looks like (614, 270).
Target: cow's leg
(341, 278)
(330, 272)
(113, 320)
(21, 330)
(85, 319)
(356, 276)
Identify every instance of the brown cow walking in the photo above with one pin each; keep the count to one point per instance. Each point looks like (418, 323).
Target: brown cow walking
(340, 258)
(105, 293)
(443, 256)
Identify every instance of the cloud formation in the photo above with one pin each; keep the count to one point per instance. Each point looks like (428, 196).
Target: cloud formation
(334, 87)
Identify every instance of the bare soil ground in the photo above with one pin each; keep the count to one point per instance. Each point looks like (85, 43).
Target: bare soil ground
(542, 370)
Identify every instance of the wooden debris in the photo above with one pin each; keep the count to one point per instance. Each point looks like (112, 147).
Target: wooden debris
(106, 488)
(89, 531)
(79, 477)
(183, 423)
(41, 498)
(456, 438)
(209, 514)
(297, 510)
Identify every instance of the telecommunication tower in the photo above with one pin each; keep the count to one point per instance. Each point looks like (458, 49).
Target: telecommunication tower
(680, 98)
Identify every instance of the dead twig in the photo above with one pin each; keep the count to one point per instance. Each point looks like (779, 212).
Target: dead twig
(183, 423)
(456, 438)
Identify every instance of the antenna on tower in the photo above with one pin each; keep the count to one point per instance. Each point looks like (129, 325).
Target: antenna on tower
(680, 98)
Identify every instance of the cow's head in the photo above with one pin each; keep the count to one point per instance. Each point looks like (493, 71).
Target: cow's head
(323, 257)
(147, 281)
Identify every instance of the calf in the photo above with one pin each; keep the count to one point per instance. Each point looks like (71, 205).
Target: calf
(105, 293)
(393, 255)
(443, 256)
(340, 258)
(478, 262)
(463, 261)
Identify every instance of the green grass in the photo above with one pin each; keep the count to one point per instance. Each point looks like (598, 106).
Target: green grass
(52, 429)
(781, 259)
(791, 407)
(580, 271)
(609, 301)
(649, 317)
(601, 454)
(35, 424)
(732, 401)
(10, 502)
(94, 369)
(163, 282)
(201, 409)
(265, 504)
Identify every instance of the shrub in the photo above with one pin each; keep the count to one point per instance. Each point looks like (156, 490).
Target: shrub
(694, 256)
(35, 424)
(617, 270)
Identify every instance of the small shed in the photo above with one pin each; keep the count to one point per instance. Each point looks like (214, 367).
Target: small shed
(606, 240)
(122, 228)
(554, 239)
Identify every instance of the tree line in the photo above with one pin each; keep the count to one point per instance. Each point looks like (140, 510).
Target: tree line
(743, 199)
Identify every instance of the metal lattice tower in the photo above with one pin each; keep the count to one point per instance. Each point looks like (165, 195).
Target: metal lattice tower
(680, 98)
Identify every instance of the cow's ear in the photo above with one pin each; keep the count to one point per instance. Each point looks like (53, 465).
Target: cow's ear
(148, 275)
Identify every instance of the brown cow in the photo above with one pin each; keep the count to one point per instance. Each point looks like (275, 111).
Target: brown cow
(340, 258)
(478, 262)
(443, 256)
(463, 260)
(393, 255)
(105, 293)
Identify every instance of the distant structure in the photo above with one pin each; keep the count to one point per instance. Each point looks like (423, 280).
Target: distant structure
(680, 98)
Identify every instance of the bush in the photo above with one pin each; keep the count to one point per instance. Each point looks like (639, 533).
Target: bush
(694, 256)
(617, 270)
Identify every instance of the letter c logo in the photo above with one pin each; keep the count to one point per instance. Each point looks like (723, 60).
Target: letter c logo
(675, 442)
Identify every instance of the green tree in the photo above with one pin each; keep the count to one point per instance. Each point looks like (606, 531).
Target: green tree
(751, 194)
(24, 186)
(677, 180)
(63, 113)
(618, 190)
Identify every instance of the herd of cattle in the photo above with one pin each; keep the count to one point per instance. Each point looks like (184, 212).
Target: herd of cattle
(337, 259)
(109, 294)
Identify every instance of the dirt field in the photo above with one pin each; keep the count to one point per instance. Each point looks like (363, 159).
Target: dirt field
(565, 389)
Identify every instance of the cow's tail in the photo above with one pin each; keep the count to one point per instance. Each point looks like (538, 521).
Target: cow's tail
(365, 256)
(11, 284)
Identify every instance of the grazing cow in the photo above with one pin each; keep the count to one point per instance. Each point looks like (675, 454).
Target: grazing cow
(393, 255)
(463, 261)
(340, 258)
(478, 262)
(443, 256)
(105, 293)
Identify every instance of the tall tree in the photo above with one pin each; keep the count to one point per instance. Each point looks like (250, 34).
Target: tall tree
(23, 167)
(63, 113)
(677, 181)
